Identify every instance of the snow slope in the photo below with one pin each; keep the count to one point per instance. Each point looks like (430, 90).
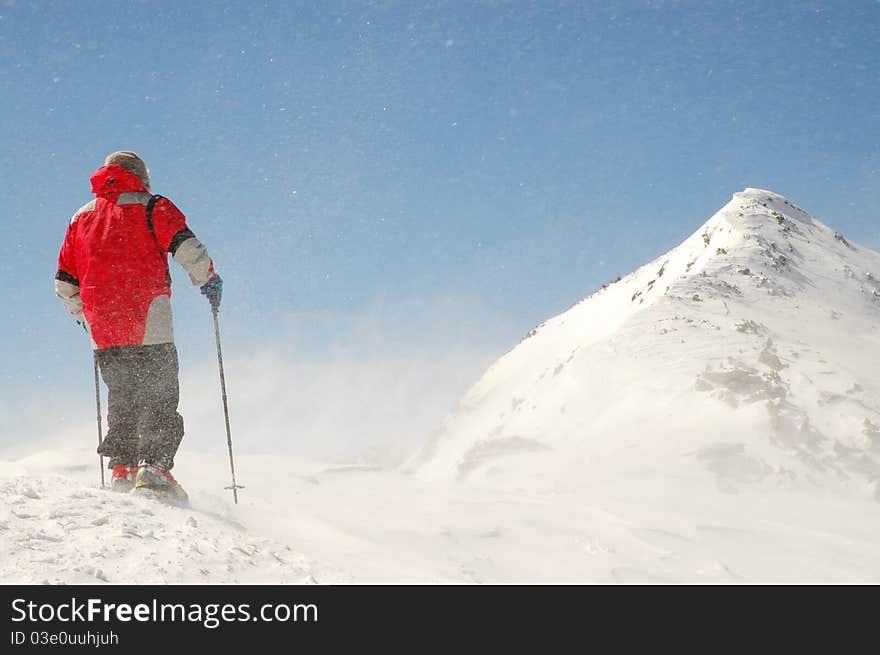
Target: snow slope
(749, 353)
(309, 523)
(57, 525)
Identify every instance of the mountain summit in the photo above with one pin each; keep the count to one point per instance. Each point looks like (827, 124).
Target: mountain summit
(749, 353)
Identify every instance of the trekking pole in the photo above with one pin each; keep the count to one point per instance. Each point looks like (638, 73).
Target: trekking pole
(235, 487)
(98, 405)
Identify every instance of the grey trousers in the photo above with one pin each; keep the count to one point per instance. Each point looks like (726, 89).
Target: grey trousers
(143, 393)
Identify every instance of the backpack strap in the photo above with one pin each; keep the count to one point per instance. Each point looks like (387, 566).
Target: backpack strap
(151, 203)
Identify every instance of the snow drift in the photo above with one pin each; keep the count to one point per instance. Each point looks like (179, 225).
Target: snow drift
(57, 526)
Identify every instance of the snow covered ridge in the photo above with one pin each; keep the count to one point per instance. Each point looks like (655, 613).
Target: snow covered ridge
(57, 526)
(750, 354)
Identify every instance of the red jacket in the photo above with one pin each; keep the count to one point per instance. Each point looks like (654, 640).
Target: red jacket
(113, 270)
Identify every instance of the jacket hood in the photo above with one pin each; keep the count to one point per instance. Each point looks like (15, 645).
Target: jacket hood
(111, 181)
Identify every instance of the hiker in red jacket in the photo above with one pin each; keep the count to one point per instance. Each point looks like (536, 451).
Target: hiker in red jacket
(113, 278)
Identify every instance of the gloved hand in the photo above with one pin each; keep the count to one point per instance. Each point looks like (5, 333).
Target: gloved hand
(213, 289)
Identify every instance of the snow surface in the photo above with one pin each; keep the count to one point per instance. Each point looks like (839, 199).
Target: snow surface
(307, 523)
(712, 417)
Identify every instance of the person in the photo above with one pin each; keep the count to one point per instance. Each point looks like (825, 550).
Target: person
(113, 278)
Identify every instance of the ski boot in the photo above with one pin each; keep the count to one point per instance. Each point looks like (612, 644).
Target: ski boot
(152, 480)
(122, 478)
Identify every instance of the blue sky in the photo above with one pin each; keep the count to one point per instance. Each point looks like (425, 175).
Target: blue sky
(447, 173)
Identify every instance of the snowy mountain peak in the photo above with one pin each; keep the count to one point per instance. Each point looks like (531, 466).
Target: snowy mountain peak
(749, 210)
(760, 235)
(752, 198)
(744, 354)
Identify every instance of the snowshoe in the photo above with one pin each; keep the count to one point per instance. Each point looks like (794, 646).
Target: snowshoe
(156, 482)
(122, 478)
